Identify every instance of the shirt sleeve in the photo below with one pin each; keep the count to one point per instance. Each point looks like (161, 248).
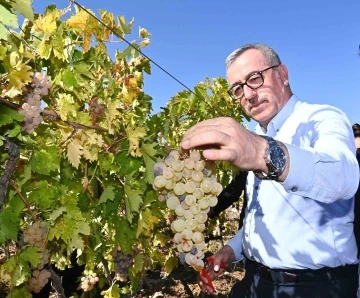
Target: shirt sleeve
(325, 170)
(236, 244)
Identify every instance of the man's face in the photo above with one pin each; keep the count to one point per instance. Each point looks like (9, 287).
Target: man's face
(265, 102)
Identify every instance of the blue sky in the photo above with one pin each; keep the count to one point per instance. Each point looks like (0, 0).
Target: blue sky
(317, 40)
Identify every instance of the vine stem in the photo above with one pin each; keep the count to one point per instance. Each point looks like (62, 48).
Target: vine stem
(12, 183)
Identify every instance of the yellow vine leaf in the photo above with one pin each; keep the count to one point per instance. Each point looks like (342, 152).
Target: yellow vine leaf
(92, 137)
(19, 76)
(134, 137)
(146, 223)
(112, 114)
(143, 33)
(66, 106)
(47, 23)
(74, 152)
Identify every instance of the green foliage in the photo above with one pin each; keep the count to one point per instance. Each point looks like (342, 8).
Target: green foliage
(88, 173)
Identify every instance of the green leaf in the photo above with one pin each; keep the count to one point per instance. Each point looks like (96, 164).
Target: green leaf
(138, 263)
(32, 255)
(24, 7)
(3, 32)
(170, 264)
(8, 115)
(127, 163)
(149, 153)
(7, 16)
(45, 160)
(15, 131)
(108, 194)
(133, 201)
(124, 235)
(56, 213)
(112, 292)
(19, 292)
(9, 225)
(42, 194)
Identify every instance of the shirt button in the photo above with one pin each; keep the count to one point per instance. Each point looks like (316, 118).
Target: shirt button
(294, 189)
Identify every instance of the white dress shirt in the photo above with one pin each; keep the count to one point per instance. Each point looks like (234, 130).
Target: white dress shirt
(306, 221)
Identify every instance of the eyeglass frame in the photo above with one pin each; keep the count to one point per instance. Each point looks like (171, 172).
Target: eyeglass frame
(245, 83)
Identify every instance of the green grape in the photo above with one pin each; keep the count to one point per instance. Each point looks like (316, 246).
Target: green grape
(159, 181)
(195, 155)
(178, 165)
(197, 176)
(189, 163)
(190, 186)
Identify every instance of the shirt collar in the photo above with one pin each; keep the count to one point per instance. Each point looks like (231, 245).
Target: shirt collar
(276, 123)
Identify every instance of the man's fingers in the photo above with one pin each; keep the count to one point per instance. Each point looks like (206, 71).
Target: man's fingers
(221, 154)
(205, 138)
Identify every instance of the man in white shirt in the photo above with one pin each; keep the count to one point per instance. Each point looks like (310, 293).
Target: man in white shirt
(297, 239)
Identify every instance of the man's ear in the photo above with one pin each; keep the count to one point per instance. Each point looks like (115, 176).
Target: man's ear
(284, 75)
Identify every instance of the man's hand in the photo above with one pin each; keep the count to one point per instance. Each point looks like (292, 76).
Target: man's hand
(226, 256)
(225, 139)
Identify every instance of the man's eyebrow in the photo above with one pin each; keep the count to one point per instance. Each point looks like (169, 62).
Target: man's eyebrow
(246, 77)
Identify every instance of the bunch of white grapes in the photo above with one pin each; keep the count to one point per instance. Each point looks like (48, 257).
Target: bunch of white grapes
(38, 280)
(88, 282)
(189, 189)
(122, 263)
(31, 108)
(36, 234)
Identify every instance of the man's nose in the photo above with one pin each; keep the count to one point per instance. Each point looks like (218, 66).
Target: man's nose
(249, 93)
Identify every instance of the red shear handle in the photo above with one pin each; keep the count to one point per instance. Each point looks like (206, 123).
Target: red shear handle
(211, 260)
(210, 284)
(206, 275)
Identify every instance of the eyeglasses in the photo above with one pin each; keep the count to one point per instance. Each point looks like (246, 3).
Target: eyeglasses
(254, 81)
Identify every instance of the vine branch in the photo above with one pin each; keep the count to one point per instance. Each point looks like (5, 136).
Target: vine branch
(56, 283)
(10, 167)
(28, 207)
(107, 271)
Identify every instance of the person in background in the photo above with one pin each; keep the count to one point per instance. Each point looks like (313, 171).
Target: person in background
(356, 130)
(298, 235)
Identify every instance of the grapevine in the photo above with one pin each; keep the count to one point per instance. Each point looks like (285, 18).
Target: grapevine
(87, 170)
(187, 185)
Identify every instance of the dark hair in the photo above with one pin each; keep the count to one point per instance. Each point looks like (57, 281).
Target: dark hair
(356, 130)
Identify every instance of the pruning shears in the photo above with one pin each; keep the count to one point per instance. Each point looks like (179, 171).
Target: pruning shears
(210, 260)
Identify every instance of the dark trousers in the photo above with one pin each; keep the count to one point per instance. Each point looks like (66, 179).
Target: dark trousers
(262, 282)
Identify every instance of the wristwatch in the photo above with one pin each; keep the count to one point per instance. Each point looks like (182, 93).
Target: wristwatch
(275, 159)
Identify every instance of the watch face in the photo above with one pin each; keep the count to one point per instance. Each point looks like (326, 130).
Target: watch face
(277, 157)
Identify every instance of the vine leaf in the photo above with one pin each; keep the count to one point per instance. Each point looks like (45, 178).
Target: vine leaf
(7, 16)
(74, 152)
(149, 153)
(45, 160)
(138, 263)
(125, 235)
(133, 199)
(8, 115)
(9, 225)
(170, 264)
(107, 194)
(24, 7)
(112, 292)
(146, 223)
(41, 194)
(134, 136)
(19, 76)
